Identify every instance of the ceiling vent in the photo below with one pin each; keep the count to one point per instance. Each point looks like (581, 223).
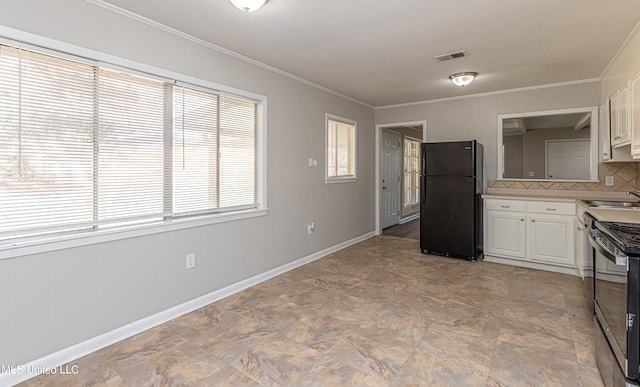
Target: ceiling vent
(451, 55)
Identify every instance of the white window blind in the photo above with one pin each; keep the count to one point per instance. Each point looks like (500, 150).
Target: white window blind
(84, 147)
(237, 152)
(130, 115)
(195, 157)
(46, 143)
(214, 152)
(341, 161)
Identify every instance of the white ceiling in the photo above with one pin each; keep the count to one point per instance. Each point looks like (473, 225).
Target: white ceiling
(380, 52)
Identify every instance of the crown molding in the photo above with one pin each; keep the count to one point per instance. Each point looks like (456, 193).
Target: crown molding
(547, 86)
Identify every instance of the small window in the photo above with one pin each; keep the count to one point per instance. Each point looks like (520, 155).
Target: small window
(341, 149)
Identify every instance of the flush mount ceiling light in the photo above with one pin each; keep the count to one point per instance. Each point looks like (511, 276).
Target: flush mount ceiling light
(463, 79)
(248, 5)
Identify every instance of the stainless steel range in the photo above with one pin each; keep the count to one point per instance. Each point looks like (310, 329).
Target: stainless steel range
(616, 272)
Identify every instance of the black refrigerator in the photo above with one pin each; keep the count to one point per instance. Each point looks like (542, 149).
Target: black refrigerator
(451, 203)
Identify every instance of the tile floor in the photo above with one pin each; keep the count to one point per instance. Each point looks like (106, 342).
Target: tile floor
(406, 230)
(379, 313)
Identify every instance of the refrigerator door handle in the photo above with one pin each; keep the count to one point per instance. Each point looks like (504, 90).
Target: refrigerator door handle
(423, 188)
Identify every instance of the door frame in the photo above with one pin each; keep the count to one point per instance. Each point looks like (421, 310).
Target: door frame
(378, 161)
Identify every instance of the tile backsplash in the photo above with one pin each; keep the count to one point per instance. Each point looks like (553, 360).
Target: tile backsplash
(625, 178)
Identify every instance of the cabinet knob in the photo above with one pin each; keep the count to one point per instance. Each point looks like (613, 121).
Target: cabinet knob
(522, 219)
(533, 220)
(505, 206)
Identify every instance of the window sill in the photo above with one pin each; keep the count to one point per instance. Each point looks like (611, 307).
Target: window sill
(334, 180)
(43, 244)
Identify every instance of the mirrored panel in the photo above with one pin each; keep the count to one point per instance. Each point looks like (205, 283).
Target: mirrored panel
(549, 145)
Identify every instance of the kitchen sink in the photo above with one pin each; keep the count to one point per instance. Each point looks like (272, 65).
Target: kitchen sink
(611, 204)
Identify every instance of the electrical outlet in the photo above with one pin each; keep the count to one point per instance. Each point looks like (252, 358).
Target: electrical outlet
(191, 260)
(608, 181)
(311, 227)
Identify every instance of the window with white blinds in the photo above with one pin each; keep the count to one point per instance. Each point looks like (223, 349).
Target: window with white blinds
(411, 181)
(341, 148)
(85, 147)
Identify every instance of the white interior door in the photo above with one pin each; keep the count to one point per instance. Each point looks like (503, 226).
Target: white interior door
(568, 159)
(390, 184)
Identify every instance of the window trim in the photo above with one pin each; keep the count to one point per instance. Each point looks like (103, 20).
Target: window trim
(51, 242)
(340, 179)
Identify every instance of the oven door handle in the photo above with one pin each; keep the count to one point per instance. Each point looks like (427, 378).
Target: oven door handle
(620, 260)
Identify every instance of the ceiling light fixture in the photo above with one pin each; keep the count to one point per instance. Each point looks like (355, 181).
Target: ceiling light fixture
(463, 79)
(248, 5)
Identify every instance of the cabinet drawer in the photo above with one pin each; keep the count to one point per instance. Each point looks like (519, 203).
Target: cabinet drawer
(556, 208)
(505, 205)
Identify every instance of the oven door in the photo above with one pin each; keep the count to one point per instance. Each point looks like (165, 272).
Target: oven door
(589, 266)
(615, 309)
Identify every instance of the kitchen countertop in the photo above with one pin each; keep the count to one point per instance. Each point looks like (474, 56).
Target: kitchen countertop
(623, 215)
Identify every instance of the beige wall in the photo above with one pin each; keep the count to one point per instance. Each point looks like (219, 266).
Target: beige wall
(513, 157)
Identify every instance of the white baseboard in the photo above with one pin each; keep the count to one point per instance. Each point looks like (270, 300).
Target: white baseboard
(52, 361)
(532, 265)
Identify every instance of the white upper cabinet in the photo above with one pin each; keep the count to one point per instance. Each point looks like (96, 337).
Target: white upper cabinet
(634, 114)
(605, 133)
(618, 108)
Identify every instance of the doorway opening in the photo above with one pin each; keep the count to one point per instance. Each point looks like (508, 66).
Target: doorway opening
(397, 196)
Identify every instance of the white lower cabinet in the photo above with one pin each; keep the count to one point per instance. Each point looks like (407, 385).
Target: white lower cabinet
(531, 233)
(551, 239)
(507, 233)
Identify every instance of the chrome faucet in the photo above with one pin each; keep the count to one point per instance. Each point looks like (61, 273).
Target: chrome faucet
(634, 193)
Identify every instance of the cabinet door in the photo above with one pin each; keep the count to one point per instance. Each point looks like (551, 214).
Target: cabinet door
(505, 234)
(551, 239)
(623, 118)
(634, 114)
(605, 133)
(614, 114)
